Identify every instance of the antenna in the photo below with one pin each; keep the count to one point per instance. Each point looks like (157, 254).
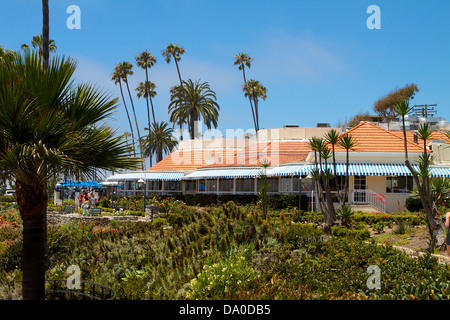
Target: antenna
(424, 110)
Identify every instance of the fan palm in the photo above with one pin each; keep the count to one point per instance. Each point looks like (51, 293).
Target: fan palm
(37, 43)
(254, 90)
(50, 125)
(243, 60)
(146, 60)
(195, 101)
(159, 140)
(174, 51)
(6, 54)
(146, 89)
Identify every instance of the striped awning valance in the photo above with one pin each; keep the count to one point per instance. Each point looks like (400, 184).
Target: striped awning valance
(361, 169)
(293, 170)
(147, 175)
(224, 173)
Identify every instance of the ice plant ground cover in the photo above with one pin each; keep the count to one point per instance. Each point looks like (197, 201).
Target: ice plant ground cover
(229, 252)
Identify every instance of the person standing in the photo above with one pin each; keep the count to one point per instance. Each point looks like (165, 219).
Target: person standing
(447, 225)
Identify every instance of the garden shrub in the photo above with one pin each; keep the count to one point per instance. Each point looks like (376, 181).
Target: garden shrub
(298, 234)
(340, 231)
(413, 204)
(222, 278)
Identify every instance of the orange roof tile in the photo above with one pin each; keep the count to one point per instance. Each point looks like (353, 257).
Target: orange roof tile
(369, 138)
(185, 160)
(372, 138)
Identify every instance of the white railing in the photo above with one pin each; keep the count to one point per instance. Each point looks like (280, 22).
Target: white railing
(368, 197)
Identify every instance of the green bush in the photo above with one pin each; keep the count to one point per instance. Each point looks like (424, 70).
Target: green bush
(413, 204)
(222, 278)
(7, 199)
(298, 235)
(340, 231)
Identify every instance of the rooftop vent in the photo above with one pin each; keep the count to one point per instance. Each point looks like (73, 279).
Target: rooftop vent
(291, 126)
(323, 125)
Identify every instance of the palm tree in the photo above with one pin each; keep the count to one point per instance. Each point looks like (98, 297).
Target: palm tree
(127, 70)
(263, 186)
(254, 90)
(347, 142)
(332, 137)
(424, 133)
(243, 60)
(437, 227)
(159, 140)
(146, 60)
(6, 54)
(50, 125)
(147, 90)
(322, 175)
(37, 43)
(117, 78)
(195, 101)
(174, 51)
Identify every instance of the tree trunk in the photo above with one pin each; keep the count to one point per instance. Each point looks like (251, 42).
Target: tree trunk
(135, 119)
(192, 127)
(32, 203)
(128, 116)
(45, 32)
(436, 224)
(249, 99)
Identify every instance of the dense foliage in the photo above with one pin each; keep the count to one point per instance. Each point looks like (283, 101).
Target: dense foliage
(230, 252)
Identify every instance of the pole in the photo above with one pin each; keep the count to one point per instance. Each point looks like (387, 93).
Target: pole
(300, 193)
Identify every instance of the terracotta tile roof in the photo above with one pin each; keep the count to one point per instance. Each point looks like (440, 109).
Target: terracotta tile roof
(185, 160)
(276, 152)
(437, 135)
(369, 137)
(372, 138)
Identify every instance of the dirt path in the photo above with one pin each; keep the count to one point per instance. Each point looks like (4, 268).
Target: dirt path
(414, 241)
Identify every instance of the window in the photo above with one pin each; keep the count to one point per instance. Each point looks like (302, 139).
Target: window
(226, 185)
(190, 185)
(273, 184)
(245, 185)
(201, 185)
(286, 184)
(172, 186)
(360, 183)
(306, 183)
(155, 185)
(211, 185)
(399, 184)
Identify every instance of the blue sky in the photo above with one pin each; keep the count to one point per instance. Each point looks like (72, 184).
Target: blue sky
(317, 59)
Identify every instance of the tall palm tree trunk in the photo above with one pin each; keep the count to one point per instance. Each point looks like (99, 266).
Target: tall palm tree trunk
(45, 32)
(128, 116)
(32, 203)
(148, 114)
(137, 125)
(249, 99)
